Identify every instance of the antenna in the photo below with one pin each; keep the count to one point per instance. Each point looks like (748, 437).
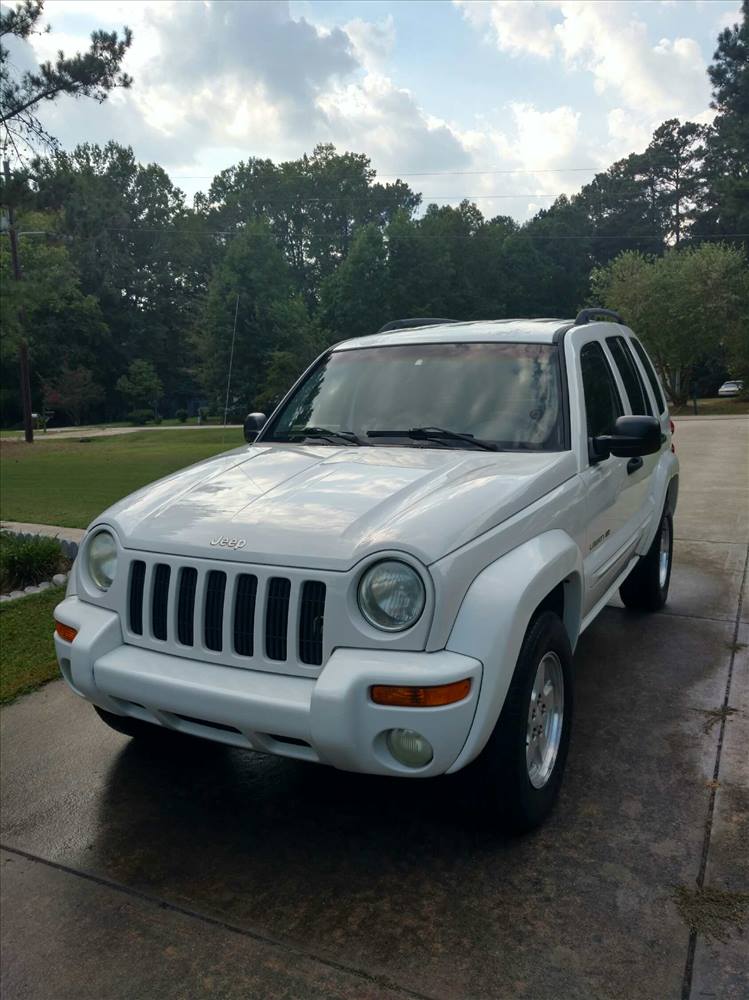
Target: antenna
(231, 365)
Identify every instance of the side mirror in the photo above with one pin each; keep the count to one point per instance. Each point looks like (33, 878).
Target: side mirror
(632, 437)
(253, 424)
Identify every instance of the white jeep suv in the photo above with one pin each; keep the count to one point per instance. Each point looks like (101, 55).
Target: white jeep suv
(392, 575)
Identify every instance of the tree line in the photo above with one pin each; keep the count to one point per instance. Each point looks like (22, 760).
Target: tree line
(131, 299)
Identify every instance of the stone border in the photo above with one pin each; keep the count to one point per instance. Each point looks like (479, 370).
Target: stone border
(69, 550)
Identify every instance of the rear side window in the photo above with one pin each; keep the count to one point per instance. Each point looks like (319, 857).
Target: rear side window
(602, 402)
(650, 372)
(633, 384)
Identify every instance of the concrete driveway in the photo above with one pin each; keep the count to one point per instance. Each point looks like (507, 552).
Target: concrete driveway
(209, 872)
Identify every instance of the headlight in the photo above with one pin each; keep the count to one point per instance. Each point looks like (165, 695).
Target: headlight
(391, 595)
(102, 559)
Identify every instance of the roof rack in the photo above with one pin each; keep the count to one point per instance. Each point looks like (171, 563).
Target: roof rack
(405, 324)
(586, 315)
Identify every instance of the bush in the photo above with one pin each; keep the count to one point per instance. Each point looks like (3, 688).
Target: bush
(203, 412)
(181, 415)
(140, 417)
(25, 562)
(157, 420)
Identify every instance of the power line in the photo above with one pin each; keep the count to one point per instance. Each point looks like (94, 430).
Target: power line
(541, 237)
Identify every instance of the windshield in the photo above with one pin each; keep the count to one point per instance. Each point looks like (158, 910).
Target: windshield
(506, 394)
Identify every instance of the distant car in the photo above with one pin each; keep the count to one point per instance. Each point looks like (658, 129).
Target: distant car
(732, 388)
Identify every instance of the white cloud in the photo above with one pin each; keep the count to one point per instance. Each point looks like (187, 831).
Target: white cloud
(607, 39)
(372, 41)
(517, 28)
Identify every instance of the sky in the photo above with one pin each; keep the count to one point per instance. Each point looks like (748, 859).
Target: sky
(506, 103)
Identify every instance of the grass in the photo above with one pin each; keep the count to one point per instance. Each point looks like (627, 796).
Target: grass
(69, 482)
(26, 562)
(713, 913)
(27, 652)
(730, 406)
(15, 434)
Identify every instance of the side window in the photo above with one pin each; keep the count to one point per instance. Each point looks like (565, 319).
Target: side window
(650, 372)
(602, 402)
(633, 384)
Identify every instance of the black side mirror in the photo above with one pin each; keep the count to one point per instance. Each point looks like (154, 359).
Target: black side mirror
(632, 437)
(253, 424)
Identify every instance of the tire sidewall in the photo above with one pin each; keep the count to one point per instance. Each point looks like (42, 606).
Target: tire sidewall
(519, 805)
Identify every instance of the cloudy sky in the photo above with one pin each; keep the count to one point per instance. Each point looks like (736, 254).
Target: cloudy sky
(509, 103)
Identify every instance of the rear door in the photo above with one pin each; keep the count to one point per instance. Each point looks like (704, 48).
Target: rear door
(637, 495)
(611, 535)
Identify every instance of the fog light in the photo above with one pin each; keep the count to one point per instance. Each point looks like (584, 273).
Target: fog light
(409, 747)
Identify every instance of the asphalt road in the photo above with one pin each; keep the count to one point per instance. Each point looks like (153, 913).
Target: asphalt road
(209, 872)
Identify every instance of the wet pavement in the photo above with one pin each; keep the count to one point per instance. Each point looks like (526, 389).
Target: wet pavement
(207, 871)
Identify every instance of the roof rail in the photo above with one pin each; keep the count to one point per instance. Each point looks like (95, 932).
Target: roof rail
(586, 315)
(405, 324)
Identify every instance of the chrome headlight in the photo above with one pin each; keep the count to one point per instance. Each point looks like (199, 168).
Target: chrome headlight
(101, 559)
(391, 595)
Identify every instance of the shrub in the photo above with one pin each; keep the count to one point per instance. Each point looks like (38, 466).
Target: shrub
(25, 562)
(157, 420)
(203, 411)
(140, 416)
(181, 415)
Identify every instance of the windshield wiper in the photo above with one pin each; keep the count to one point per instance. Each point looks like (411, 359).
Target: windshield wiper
(327, 434)
(435, 434)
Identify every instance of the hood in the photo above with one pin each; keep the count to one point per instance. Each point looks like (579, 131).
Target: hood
(328, 507)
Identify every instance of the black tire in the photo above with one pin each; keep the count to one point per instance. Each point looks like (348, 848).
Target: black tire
(503, 783)
(646, 589)
(135, 728)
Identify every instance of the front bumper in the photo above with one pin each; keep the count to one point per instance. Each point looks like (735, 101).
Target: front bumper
(330, 719)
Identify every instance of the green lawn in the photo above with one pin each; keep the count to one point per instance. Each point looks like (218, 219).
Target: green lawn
(727, 406)
(69, 482)
(27, 652)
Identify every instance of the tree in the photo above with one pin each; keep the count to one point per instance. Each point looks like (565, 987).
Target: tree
(354, 300)
(141, 386)
(270, 317)
(725, 205)
(75, 391)
(687, 305)
(48, 309)
(89, 74)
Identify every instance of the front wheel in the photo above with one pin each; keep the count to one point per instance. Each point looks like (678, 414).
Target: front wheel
(519, 772)
(646, 587)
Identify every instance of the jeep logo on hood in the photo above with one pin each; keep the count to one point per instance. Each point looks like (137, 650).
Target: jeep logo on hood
(229, 543)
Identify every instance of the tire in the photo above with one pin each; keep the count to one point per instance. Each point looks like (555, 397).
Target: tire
(135, 728)
(646, 587)
(514, 792)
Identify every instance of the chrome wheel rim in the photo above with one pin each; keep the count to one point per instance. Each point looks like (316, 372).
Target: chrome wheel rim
(664, 556)
(545, 719)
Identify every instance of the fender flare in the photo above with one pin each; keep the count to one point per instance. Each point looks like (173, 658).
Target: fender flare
(495, 615)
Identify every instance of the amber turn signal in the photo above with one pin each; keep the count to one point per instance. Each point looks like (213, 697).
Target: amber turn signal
(66, 632)
(420, 697)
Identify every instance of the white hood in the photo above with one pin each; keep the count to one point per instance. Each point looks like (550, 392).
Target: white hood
(328, 507)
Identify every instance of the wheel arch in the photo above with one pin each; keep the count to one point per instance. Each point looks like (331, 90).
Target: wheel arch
(543, 573)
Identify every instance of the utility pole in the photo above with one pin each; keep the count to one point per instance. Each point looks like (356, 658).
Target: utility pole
(23, 347)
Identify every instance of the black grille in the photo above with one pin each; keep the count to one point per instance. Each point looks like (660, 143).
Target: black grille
(160, 600)
(214, 610)
(137, 579)
(190, 624)
(188, 580)
(311, 617)
(277, 618)
(244, 614)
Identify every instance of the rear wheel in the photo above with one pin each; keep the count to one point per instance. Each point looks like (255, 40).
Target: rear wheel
(519, 772)
(646, 587)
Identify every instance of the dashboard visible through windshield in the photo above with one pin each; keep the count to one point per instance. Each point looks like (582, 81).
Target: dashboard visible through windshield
(504, 396)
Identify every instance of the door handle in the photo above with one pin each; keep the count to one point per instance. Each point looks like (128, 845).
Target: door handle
(633, 465)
